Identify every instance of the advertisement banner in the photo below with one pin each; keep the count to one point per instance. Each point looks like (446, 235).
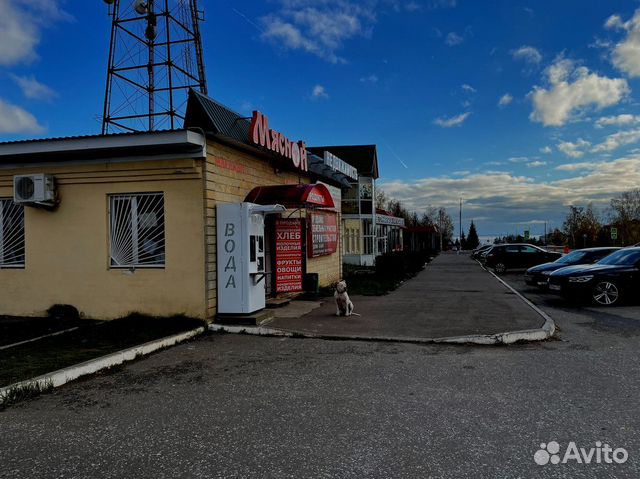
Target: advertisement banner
(288, 255)
(322, 233)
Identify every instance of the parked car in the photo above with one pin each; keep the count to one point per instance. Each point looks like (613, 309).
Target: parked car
(538, 275)
(608, 281)
(517, 256)
(475, 254)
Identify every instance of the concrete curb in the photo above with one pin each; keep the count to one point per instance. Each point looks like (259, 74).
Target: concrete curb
(547, 330)
(65, 375)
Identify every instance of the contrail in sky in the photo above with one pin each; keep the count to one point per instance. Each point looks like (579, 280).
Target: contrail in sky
(248, 20)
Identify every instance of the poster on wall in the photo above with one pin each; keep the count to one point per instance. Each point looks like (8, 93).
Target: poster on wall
(288, 255)
(322, 233)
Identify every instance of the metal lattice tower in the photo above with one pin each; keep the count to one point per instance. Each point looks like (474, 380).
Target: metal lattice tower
(155, 56)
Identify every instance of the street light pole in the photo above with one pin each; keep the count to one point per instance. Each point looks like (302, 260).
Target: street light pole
(460, 223)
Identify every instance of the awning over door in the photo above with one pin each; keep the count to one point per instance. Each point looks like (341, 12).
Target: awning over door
(292, 196)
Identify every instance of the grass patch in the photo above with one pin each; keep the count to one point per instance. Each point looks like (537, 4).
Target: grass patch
(370, 285)
(390, 271)
(89, 342)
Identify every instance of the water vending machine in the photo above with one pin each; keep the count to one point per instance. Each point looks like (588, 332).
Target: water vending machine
(241, 256)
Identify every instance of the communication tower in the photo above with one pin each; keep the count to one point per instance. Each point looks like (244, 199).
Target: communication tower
(155, 56)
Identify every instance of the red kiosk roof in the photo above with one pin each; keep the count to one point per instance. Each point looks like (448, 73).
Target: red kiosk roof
(292, 196)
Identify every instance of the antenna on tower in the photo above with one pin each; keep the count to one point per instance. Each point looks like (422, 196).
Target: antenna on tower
(155, 57)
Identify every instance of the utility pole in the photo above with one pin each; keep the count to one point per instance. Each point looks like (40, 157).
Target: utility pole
(460, 223)
(440, 226)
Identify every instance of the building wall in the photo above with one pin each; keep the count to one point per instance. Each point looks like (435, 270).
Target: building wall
(67, 255)
(230, 175)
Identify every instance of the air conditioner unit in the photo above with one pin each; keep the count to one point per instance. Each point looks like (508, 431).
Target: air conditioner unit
(37, 189)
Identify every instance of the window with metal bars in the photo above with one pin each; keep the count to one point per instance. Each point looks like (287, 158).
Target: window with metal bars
(11, 234)
(136, 236)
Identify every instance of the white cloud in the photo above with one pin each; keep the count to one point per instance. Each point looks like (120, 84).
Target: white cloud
(318, 27)
(434, 4)
(505, 100)
(319, 92)
(518, 159)
(616, 140)
(412, 7)
(14, 119)
(572, 89)
(453, 121)
(369, 79)
(21, 24)
(582, 166)
(536, 164)
(528, 54)
(626, 54)
(574, 150)
(614, 22)
(33, 89)
(453, 39)
(618, 120)
(546, 150)
(508, 197)
(469, 88)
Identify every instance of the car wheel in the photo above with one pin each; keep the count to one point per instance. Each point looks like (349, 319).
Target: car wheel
(500, 268)
(606, 293)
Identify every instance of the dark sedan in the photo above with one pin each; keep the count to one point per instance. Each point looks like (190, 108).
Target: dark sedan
(476, 253)
(607, 282)
(538, 275)
(517, 256)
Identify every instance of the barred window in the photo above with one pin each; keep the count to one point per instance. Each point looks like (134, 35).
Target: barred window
(136, 236)
(11, 234)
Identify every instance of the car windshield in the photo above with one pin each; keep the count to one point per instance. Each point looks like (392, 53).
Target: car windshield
(622, 257)
(573, 257)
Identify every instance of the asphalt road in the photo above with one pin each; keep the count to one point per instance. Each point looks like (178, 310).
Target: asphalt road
(240, 406)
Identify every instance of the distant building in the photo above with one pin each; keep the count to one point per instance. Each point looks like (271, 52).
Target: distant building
(367, 231)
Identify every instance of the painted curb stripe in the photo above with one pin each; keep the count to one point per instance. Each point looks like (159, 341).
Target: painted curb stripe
(38, 338)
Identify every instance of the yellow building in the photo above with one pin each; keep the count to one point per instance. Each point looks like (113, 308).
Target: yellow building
(126, 223)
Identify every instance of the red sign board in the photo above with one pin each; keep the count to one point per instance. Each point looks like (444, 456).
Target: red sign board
(288, 255)
(322, 233)
(260, 134)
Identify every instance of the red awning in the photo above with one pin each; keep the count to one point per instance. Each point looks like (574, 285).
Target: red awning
(292, 196)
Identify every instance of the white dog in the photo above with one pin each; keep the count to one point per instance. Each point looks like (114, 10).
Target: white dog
(343, 303)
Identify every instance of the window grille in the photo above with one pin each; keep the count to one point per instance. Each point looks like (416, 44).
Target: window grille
(11, 234)
(137, 230)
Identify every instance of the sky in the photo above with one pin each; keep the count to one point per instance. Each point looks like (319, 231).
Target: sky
(520, 108)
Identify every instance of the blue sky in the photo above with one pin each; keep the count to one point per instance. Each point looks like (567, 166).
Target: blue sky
(519, 107)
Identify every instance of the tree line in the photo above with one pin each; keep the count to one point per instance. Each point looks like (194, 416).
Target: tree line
(431, 216)
(585, 227)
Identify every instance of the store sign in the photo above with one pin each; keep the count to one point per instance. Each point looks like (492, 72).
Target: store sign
(288, 255)
(260, 134)
(336, 164)
(390, 220)
(322, 233)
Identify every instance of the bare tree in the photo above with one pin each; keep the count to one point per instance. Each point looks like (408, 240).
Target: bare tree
(625, 214)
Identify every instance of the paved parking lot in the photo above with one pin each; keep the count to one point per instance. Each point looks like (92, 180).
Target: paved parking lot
(239, 406)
